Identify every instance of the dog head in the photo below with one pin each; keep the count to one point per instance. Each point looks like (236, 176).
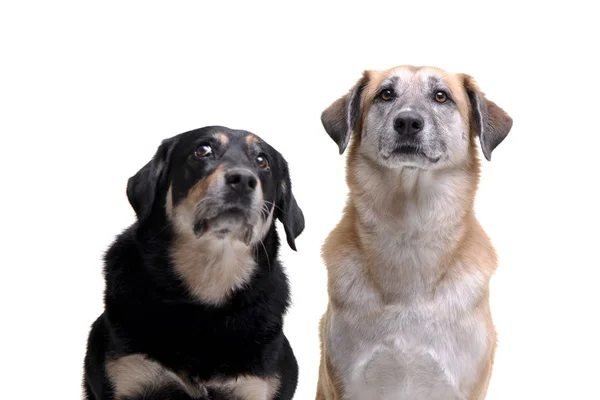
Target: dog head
(417, 117)
(220, 182)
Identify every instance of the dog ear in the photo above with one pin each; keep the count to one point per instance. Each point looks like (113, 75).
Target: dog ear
(142, 187)
(491, 122)
(287, 210)
(342, 117)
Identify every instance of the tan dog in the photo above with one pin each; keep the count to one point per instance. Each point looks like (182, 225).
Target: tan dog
(408, 264)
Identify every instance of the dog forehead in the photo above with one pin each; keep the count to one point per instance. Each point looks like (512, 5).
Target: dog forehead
(416, 78)
(408, 75)
(225, 136)
(424, 80)
(241, 139)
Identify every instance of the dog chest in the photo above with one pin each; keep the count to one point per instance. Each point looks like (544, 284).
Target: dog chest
(406, 354)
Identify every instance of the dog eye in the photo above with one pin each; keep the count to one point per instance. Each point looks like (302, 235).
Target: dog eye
(262, 162)
(441, 97)
(386, 94)
(204, 150)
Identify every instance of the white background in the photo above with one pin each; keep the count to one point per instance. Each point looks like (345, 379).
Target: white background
(87, 92)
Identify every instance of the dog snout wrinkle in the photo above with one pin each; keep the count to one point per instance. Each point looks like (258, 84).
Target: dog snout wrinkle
(408, 123)
(241, 181)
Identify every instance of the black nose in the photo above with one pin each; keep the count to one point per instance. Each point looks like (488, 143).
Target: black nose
(241, 181)
(408, 123)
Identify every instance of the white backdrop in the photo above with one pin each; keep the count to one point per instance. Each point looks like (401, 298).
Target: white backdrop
(87, 92)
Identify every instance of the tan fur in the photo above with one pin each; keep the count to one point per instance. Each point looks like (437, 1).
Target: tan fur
(251, 139)
(223, 138)
(365, 285)
(251, 387)
(329, 385)
(211, 268)
(196, 193)
(136, 374)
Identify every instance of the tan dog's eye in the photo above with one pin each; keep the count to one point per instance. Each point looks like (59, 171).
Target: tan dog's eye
(441, 97)
(204, 150)
(386, 95)
(262, 162)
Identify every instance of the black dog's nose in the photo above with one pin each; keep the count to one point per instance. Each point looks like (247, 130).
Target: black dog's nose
(408, 123)
(241, 181)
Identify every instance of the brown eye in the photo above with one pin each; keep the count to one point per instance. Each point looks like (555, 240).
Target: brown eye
(204, 150)
(441, 97)
(262, 162)
(386, 95)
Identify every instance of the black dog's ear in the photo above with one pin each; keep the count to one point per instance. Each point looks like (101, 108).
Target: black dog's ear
(343, 117)
(491, 122)
(142, 187)
(287, 210)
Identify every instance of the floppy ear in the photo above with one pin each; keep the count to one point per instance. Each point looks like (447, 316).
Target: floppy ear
(342, 117)
(288, 211)
(142, 187)
(492, 122)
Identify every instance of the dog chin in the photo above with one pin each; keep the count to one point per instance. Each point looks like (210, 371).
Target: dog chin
(412, 160)
(233, 224)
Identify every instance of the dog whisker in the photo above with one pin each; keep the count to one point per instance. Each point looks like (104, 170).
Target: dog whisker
(274, 205)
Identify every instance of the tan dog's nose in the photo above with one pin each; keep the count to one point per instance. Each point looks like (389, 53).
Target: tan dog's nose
(408, 123)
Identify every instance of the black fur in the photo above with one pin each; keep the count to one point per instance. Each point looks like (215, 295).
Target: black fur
(148, 310)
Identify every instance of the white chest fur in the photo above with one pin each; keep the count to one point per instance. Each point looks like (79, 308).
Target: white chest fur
(409, 329)
(406, 353)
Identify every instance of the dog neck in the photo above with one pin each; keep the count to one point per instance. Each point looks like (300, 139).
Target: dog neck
(409, 221)
(212, 267)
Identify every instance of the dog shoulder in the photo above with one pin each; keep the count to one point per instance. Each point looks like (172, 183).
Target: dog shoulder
(349, 282)
(476, 251)
(463, 290)
(123, 251)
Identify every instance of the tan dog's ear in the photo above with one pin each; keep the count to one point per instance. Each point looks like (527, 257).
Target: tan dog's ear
(492, 122)
(342, 117)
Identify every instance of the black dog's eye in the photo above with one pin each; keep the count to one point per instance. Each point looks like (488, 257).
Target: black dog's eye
(204, 150)
(441, 96)
(386, 94)
(262, 162)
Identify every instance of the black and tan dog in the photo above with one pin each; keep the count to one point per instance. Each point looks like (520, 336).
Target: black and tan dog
(195, 295)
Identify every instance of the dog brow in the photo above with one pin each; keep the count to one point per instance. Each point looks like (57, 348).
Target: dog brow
(221, 137)
(251, 140)
(435, 82)
(390, 82)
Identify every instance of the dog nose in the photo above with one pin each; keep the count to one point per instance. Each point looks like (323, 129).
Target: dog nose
(408, 123)
(241, 181)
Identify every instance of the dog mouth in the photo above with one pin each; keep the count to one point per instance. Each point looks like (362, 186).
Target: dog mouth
(234, 221)
(411, 150)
